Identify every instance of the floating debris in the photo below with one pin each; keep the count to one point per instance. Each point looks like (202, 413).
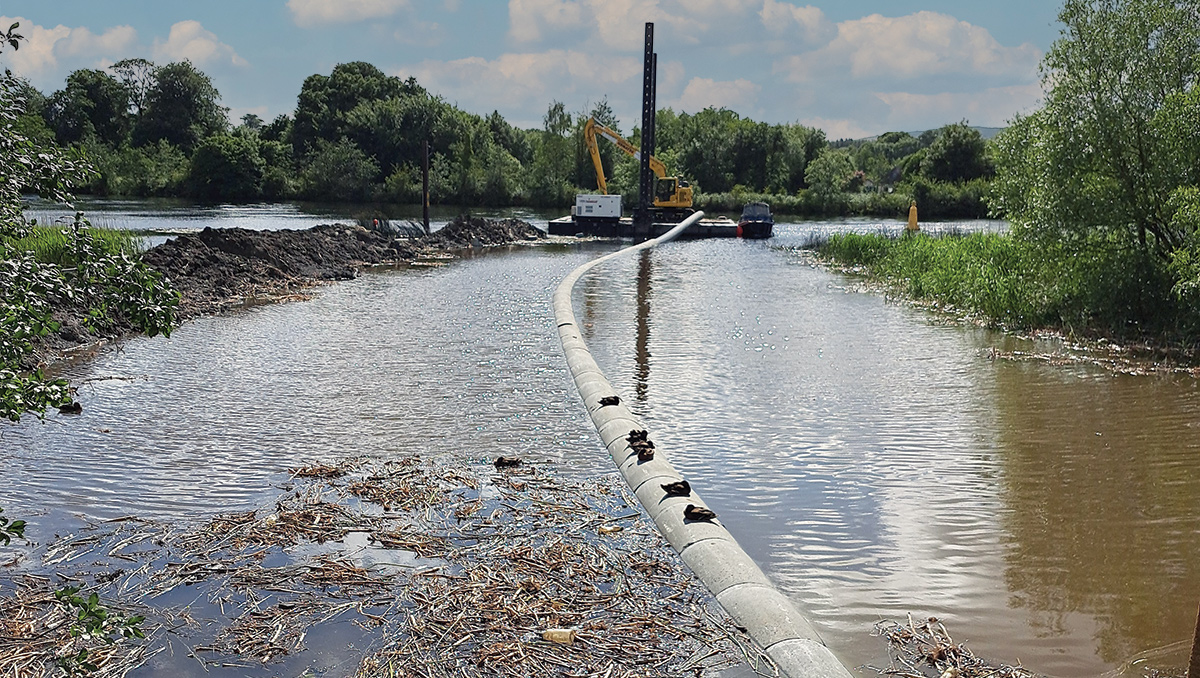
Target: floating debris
(71, 408)
(445, 570)
(926, 650)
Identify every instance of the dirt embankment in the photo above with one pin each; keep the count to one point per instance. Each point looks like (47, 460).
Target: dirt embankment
(216, 270)
(219, 268)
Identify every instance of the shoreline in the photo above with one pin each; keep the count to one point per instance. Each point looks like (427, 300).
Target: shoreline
(1141, 357)
(218, 271)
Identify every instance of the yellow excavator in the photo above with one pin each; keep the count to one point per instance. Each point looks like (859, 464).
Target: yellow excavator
(672, 196)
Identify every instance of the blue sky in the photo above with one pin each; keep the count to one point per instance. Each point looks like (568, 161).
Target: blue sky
(851, 68)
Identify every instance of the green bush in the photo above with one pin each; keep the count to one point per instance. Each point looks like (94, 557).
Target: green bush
(154, 170)
(226, 167)
(940, 200)
(1101, 286)
(340, 171)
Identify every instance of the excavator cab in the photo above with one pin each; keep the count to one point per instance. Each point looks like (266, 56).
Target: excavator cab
(664, 190)
(673, 193)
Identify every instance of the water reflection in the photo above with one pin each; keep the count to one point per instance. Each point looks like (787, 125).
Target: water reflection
(865, 456)
(641, 377)
(1103, 495)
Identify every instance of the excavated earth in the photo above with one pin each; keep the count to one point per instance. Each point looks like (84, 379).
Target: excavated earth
(218, 270)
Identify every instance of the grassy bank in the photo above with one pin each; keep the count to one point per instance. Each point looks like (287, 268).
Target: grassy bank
(52, 244)
(1099, 287)
(935, 200)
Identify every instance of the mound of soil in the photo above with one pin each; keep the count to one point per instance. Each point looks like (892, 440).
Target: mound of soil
(216, 267)
(219, 269)
(475, 232)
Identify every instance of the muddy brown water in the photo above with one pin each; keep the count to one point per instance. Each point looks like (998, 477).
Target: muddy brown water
(874, 459)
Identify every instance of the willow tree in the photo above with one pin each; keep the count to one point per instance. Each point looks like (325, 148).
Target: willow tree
(1099, 157)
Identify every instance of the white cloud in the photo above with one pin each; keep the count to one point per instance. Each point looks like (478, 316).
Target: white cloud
(420, 34)
(312, 13)
(43, 47)
(528, 18)
(807, 22)
(190, 40)
(914, 46)
(839, 128)
(527, 81)
(620, 24)
(989, 108)
(700, 93)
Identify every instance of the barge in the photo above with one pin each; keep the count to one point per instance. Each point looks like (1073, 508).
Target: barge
(600, 216)
(720, 227)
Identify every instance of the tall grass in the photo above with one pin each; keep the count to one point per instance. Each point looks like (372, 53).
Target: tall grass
(934, 199)
(52, 244)
(1101, 286)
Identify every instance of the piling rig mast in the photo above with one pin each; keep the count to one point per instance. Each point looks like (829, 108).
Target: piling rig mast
(672, 196)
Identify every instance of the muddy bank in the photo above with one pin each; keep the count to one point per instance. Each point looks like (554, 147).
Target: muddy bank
(218, 270)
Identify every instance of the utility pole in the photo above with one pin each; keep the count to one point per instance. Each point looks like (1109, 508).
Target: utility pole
(425, 186)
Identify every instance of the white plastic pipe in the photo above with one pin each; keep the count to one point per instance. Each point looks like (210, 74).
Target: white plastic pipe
(712, 553)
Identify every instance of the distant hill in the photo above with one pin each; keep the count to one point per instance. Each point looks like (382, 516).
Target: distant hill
(985, 132)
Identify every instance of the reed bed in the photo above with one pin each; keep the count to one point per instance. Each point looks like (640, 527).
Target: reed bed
(52, 244)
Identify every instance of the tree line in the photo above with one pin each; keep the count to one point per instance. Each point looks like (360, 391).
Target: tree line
(356, 135)
(1101, 186)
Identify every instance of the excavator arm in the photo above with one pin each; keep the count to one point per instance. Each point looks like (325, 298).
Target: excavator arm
(673, 197)
(591, 129)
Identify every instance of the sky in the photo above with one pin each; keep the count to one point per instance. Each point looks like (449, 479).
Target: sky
(853, 69)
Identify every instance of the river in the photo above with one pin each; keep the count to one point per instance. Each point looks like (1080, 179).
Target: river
(873, 458)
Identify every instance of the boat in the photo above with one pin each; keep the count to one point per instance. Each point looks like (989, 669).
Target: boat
(756, 221)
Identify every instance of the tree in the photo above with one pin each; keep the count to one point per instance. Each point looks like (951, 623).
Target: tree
(279, 129)
(326, 101)
(181, 107)
(554, 158)
(957, 154)
(392, 130)
(93, 104)
(226, 167)
(510, 138)
(1096, 158)
(112, 288)
(252, 122)
(340, 171)
(828, 175)
(138, 76)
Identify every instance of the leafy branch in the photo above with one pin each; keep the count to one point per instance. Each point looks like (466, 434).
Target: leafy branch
(10, 529)
(93, 621)
(11, 37)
